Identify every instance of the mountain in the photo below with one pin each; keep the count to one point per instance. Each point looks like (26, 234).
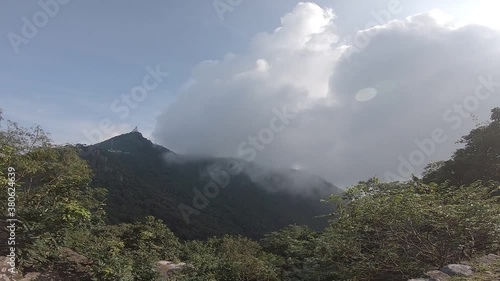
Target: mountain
(143, 178)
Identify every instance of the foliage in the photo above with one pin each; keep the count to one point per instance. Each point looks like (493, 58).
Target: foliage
(387, 231)
(478, 160)
(484, 272)
(229, 258)
(296, 246)
(142, 183)
(58, 209)
(148, 243)
(52, 192)
(379, 231)
(126, 251)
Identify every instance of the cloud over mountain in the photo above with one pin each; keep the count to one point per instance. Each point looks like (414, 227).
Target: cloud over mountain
(357, 115)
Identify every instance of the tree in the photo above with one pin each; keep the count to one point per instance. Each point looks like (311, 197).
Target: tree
(148, 243)
(229, 258)
(52, 193)
(478, 160)
(295, 245)
(392, 231)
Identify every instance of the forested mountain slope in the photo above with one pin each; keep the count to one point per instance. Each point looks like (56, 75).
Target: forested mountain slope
(142, 179)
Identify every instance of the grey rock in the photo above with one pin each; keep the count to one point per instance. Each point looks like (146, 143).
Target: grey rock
(165, 268)
(5, 275)
(488, 259)
(438, 275)
(458, 270)
(46, 276)
(32, 276)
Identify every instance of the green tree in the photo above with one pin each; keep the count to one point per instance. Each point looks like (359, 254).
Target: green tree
(229, 259)
(295, 245)
(479, 159)
(148, 243)
(391, 231)
(53, 193)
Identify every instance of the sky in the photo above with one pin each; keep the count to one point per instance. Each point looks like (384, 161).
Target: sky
(344, 89)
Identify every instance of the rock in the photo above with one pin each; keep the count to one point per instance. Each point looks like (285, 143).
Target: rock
(165, 268)
(5, 275)
(75, 266)
(488, 259)
(458, 270)
(74, 257)
(47, 276)
(32, 276)
(421, 279)
(438, 275)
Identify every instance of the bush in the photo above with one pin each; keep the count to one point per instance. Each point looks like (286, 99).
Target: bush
(229, 258)
(391, 231)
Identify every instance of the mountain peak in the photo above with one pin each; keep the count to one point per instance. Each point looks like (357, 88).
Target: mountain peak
(133, 142)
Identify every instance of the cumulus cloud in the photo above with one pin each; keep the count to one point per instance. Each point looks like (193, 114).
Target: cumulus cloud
(356, 116)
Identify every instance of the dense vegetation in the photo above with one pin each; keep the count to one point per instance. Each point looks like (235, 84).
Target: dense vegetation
(140, 182)
(380, 231)
(478, 160)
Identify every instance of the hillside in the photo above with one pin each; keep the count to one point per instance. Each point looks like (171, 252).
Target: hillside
(380, 231)
(146, 179)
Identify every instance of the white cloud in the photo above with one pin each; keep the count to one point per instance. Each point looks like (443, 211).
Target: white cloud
(355, 116)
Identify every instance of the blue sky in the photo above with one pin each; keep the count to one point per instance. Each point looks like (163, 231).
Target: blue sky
(90, 53)
(93, 51)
